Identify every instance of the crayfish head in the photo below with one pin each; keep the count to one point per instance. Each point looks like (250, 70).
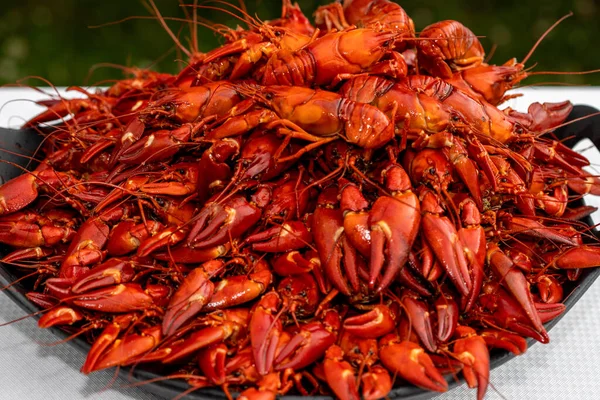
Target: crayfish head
(365, 47)
(328, 198)
(300, 294)
(518, 129)
(288, 200)
(492, 81)
(169, 107)
(395, 178)
(351, 197)
(331, 320)
(431, 167)
(359, 350)
(286, 38)
(469, 212)
(457, 120)
(430, 202)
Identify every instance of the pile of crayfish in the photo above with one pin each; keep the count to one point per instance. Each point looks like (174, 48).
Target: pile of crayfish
(331, 209)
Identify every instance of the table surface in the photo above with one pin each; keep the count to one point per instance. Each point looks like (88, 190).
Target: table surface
(33, 367)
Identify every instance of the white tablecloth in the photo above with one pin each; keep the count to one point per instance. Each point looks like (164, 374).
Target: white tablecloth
(567, 368)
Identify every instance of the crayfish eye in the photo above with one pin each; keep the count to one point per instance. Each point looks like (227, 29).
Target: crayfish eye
(386, 43)
(454, 118)
(160, 201)
(170, 108)
(181, 171)
(268, 96)
(519, 129)
(509, 78)
(277, 33)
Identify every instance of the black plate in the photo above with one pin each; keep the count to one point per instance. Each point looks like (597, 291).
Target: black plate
(26, 142)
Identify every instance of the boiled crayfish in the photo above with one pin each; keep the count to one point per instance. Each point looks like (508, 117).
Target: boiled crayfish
(316, 211)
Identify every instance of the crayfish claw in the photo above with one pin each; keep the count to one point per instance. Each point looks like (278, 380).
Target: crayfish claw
(124, 351)
(574, 257)
(395, 224)
(447, 317)
(292, 235)
(340, 374)
(516, 344)
(61, 315)
(310, 343)
(102, 342)
(420, 320)
(444, 240)
(328, 230)
(125, 297)
(212, 363)
(217, 224)
(516, 282)
(376, 384)
(193, 294)
(471, 350)
(265, 329)
(373, 324)
(409, 361)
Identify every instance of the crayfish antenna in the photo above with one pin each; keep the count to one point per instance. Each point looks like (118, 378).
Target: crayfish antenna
(542, 133)
(588, 72)
(252, 91)
(537, 43)
(16, 281)
(33, 314)
(162, 21)
(250, 21)
(193, 22)
(45, 116)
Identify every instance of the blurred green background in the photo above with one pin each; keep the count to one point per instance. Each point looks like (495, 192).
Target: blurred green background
(53, 39)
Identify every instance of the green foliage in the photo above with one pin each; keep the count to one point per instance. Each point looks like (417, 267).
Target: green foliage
(53, 39)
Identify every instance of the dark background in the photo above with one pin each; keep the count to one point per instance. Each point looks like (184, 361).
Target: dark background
(53, 39)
